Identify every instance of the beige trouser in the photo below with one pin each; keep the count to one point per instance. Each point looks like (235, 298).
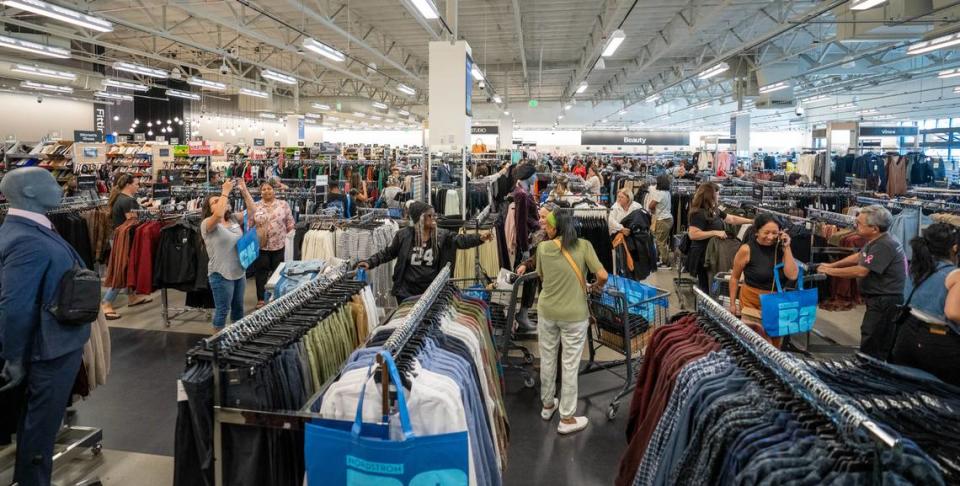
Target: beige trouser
(573, 335)
(661, 233)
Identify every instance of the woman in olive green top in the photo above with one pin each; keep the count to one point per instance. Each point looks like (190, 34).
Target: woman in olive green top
(562, 313)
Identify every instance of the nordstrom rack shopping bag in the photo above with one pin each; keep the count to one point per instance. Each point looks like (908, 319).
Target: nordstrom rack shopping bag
(357, 454)
(786, 313)
(248, 246)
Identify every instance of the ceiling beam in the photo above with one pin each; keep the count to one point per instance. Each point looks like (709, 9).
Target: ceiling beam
(518, 27)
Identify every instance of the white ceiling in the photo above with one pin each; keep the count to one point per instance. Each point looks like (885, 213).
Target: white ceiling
(668, 43)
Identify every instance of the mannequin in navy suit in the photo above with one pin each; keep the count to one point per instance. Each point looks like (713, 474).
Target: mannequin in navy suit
(40, 356)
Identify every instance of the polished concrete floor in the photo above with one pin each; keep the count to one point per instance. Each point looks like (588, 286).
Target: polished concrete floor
(137, 408)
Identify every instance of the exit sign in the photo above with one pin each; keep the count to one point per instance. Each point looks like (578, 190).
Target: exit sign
(534, 103)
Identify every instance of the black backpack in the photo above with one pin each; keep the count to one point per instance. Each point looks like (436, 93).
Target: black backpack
(77, 301)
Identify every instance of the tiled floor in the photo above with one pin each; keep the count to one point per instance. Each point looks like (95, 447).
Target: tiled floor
(137, 408)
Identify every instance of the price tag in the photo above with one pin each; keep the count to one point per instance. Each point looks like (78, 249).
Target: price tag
(322, 180)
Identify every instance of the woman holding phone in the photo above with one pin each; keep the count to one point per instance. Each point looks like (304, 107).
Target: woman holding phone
(766, 246)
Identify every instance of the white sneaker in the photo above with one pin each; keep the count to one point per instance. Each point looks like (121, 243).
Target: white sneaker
(547, 413)
(580, 424)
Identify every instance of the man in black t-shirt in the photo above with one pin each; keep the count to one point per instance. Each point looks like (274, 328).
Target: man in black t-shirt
(881, 267)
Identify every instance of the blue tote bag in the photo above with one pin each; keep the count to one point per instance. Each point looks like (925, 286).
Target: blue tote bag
(786, 313)
(248, 246)
(358, 454)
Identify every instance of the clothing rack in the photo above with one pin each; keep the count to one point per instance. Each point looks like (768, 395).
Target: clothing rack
(232, 335)
(847, 417)
(831, 217)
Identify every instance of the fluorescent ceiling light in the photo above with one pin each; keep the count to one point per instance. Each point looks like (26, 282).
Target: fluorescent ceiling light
(403, 112)
(176, 93)
(882, 117)
(375, 117)
(206, 83)
(652, 98)
(613, 42)
(379, 105)
(113, 96)
(312, 115)
(866, 4)
(278, 77)
(140, 69)
(932, 45)
(869, 111)
(320, 106)
(844, 106)
(950, 73)
(497, 98)
(603, 120)
(46, 87)
(715, 70)
(254, 93)
(427, 9)
(406, 89)
(622, 112)
(33, 47)
(324, 50)
(39, 71)
(582, 87)
(770, 88)
(506, 113)
(358, 114)
(567, 107)
(703, 106)
(268, 115)
(62, 14)
(559, 117)
(476, 73)
(116, 83)
(956, 90)
(814, 99)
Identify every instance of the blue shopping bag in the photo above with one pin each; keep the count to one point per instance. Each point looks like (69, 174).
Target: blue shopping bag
(786, 313)
(248, 246)
(640, 297)
(357, 454)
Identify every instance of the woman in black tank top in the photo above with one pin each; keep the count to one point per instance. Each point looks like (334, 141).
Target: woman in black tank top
(765, 247)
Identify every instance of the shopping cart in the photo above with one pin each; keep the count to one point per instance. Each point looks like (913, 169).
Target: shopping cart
(623, 319)
(503, 311)
(683, 286)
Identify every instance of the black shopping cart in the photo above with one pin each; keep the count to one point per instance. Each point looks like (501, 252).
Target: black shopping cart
(624, 328)
(503, 311)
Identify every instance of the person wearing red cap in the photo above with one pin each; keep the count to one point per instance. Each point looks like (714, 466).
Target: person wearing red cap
(421, 250)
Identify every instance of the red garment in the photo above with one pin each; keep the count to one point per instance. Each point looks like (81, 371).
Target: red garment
(580, 171)
(684, 342)
(140, 267)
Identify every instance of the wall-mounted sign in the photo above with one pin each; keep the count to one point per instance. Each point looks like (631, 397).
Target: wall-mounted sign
(87, 136)
(889, 131)
(164, 152)
(174, 141)
(820, 133)
(613, 137)
(259, 142)
(485, 130)
(727, 140)
(161, 138)
(301, 143)
(276, 144)
(139, 137)
(870, 143)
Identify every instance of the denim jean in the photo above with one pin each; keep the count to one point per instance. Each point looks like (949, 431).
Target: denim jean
(228, 298)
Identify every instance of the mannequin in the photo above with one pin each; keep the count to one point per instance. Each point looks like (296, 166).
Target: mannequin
(40, 356)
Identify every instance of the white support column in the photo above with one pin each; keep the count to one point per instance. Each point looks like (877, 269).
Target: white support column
(505, 133)
(743, 135)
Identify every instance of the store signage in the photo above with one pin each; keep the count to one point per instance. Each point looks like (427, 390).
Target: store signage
(123, 139)
(276, 144)
(90, 152)
(87, 182)
(469, 86)
(100, 117)
(161, 138)
(301, 129)
(301, 143)
(820, 133)
(259, 142)
(612, 137)
(174, 141)
(164, 152)
(87, 136)
(727, 140)
(139, 137)
(485, 130)
(870, 143)
(889, 131)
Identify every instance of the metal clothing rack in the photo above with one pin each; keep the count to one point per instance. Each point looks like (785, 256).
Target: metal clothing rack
(848, 418)
(233, 335)
(831, 217)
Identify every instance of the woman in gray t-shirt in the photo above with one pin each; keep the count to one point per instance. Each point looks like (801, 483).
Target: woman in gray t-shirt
(221, 230)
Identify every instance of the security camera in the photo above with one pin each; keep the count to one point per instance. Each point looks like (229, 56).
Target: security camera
(483, 85)
(799, 110)
(224, 70)
(39, 99)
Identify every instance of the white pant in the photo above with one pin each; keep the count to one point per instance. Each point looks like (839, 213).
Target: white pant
(573, 334)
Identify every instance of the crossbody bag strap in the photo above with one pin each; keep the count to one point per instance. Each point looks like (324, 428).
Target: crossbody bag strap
(573, 265)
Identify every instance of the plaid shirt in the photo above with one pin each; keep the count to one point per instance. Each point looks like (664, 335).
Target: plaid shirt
(692, 373)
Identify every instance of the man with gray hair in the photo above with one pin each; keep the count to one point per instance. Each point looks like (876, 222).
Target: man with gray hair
(881, 267)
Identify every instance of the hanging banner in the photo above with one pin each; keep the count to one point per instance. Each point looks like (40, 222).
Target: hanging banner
(611, 137)
(485, 130)
(100, 118)
(889, 131)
